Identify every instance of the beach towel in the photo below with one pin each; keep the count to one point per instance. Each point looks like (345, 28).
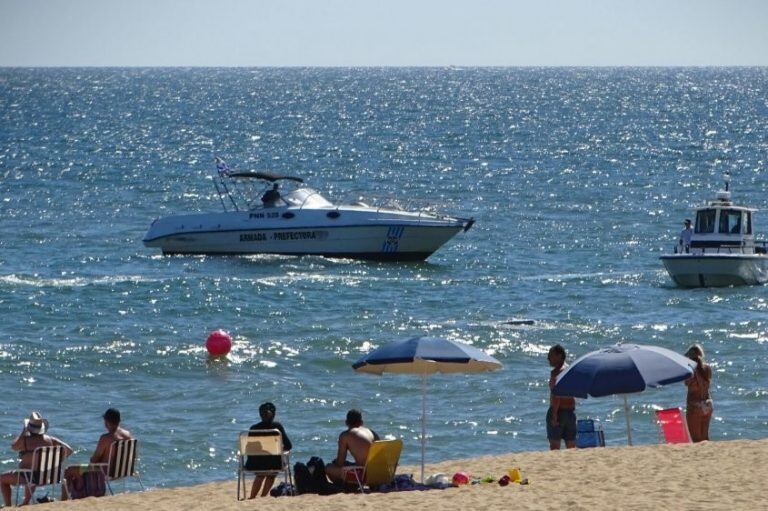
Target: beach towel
(405, 482)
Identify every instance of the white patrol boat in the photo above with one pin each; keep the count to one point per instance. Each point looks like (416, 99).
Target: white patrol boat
(723, 250)
(300, 221)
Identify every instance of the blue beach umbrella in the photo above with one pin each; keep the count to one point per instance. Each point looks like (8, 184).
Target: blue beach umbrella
(623, 369)
(425, 356)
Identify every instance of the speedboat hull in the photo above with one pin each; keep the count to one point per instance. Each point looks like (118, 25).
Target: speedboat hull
(357, 234)
(716, 270)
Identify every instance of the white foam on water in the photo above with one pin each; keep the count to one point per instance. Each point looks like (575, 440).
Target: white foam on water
(37, 281)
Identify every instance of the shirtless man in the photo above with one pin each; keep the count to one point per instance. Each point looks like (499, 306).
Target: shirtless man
(101, 454)
(561, 416)
(32, 436)
(114, 432)
(356, 440)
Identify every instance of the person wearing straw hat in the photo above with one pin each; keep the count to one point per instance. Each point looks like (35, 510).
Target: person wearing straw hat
(32, 436)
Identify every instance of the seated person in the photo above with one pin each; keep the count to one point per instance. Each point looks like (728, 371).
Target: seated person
(271, 197)
(267, 413)
(356, 440)
(31, 437)
(75, 473)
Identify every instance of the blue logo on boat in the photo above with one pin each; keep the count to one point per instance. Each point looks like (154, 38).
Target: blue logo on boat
(393, 238)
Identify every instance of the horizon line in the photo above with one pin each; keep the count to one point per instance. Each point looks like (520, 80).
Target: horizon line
(390, 66)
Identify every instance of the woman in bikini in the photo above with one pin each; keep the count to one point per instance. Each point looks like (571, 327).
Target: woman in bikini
(31, 437)
(699, 402)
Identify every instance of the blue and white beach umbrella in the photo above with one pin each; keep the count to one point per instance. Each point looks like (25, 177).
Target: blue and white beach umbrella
(623, 369)
(425, 356)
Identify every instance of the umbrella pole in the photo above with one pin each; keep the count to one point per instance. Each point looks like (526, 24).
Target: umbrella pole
(423, 421)
(626, 414)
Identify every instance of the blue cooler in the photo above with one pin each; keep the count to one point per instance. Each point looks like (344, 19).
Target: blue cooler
(589, 433)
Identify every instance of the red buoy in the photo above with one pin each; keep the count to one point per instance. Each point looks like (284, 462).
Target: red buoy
(218, 343)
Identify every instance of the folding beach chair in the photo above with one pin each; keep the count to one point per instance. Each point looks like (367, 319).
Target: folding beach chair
(589, 433)
(47, 470)
(262, 448)
(380, 466)
(672, 426)
(123, 455)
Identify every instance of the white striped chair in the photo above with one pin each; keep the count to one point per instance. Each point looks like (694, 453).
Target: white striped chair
(123, 456)
(47, 470)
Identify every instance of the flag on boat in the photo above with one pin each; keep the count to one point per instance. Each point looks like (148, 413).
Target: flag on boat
(222, 167)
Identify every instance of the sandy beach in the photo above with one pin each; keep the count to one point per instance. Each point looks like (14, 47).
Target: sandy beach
(710, 475)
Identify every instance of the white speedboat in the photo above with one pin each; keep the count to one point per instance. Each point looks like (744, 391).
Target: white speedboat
(723, 250)
(300, 221)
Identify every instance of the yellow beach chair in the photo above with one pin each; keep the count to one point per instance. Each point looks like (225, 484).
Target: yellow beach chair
(380, 466)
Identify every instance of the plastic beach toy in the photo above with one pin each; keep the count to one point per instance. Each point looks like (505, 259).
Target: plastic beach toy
(460, 478)
(514, 475)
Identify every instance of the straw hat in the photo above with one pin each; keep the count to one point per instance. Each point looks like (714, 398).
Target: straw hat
(36, 424)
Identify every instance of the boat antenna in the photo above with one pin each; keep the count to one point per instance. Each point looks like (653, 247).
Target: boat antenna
(218, 191)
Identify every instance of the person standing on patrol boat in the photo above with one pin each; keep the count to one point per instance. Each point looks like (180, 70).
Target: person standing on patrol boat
(685, 237)
(271, 196)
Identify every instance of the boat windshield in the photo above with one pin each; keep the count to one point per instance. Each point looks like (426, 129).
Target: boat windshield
(705, 221)
(306, 197)
(730, 221)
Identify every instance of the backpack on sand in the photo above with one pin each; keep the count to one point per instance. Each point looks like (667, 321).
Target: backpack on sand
(311, 478)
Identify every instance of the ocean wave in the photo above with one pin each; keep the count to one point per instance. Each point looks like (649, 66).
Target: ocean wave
(64, 282)
(604, 278)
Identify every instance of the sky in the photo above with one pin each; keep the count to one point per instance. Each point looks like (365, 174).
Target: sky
(383, 33)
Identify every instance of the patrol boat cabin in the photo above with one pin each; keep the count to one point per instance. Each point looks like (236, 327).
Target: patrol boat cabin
(723, 250)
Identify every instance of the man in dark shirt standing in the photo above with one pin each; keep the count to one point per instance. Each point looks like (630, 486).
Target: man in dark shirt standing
(561, 416)
(267, 413)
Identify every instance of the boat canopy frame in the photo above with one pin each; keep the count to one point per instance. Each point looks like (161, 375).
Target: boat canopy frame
(231, 188)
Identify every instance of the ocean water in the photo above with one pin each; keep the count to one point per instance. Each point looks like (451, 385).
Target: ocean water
(578, 179)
